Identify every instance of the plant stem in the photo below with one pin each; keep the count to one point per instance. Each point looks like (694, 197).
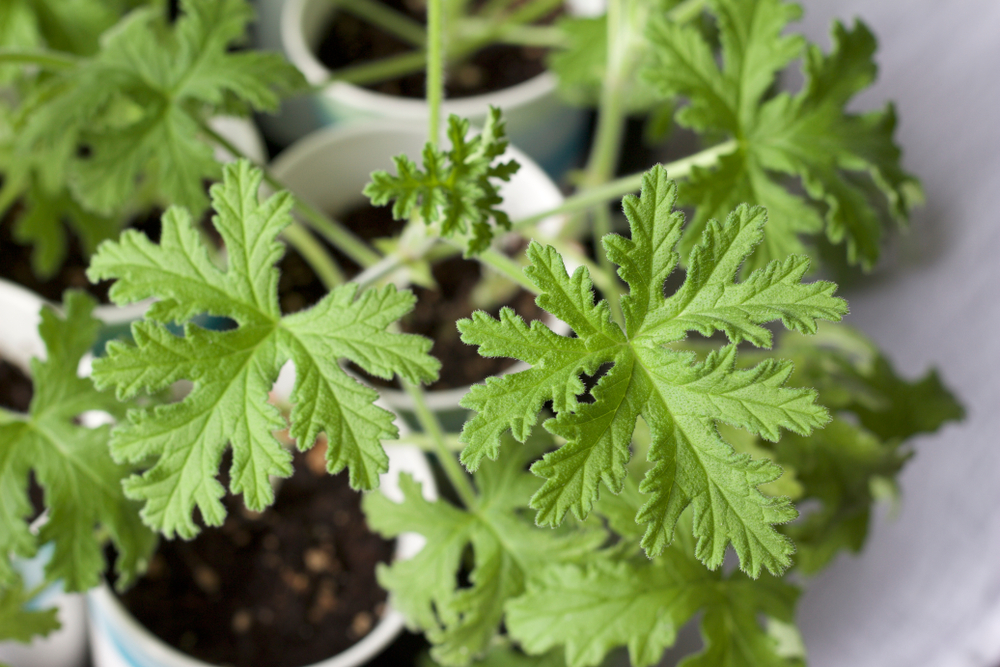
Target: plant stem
(686, 11)
(435, 67)
(377, 70)
(432, 428)
(517, 34)
(333, 231)
(504, 265)
(49, 60)
(628, 184)
(315, 255)
(388, 19)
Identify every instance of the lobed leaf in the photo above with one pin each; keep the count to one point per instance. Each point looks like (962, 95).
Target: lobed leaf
(681, 398)
(181, 444)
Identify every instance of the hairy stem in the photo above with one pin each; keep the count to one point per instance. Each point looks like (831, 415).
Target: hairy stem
(49, 60)
(314, 253)
(388, 19)
(432, 428)
(435, 67)
(377, 70)
(620, 187)
(333, 231)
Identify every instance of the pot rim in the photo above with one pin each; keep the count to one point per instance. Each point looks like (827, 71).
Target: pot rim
(301, 55)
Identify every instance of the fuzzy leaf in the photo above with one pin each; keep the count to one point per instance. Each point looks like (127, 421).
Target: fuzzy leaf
(233, 371)
(454, 190)
(72, 464)
(680, 397)
(808, 135)
(507, 550)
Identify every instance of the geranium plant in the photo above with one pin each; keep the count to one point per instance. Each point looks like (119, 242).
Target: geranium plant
(606, 525)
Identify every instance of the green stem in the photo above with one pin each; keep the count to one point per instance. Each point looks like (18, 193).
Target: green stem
(506, 266)
(390, 263)
(432, 428)
(686, 11)
(435, 67)
(620, 187)
(383, 69)
(315, 255)
(49, 60)
(333, 231)
(602, 227)
(388, 19)
(517, 34)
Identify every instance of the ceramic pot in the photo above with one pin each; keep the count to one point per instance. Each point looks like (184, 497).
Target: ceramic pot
(550, 131)
(330, 168)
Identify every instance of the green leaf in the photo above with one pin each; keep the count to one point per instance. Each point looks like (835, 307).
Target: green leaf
(81, 483)
(233, 371)
(137, 105)
(862, 450)
(455, 190)
(809, 135)
(680, 397)
(506, 549)
(600, 605)
(18, 620)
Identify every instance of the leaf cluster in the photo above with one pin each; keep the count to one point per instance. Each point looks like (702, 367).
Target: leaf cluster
(507, 551)
(122, 128)
(455, 191)
(841, 159)
(680, 398)
(82, 485)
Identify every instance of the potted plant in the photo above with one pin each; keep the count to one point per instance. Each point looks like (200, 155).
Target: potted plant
(367, 60)
(597, 529)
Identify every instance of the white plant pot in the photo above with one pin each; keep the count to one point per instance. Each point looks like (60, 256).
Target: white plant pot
(548, 130)
(66, 647)
(330, 168)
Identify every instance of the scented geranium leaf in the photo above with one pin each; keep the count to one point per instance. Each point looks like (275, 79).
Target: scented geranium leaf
(808, 135)
(604, 603)
(138, 104)
(455, 190)
(850, 464)
(19, 622)
(680, 397)
(507, 549)
(81, 483)
(731, 628)
(182, 444)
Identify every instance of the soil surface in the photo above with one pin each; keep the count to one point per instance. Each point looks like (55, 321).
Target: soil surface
(436, 311)
(16, 265)
(350, 40)
(284, 588)
(15, 388)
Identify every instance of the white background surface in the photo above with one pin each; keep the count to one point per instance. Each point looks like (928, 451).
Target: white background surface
(926, 592)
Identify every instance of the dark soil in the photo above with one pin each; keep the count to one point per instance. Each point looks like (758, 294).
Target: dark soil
(15, 388)
(16, 265)
(284, 588)
(350, 41)
(15, 394)
(436, 311)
